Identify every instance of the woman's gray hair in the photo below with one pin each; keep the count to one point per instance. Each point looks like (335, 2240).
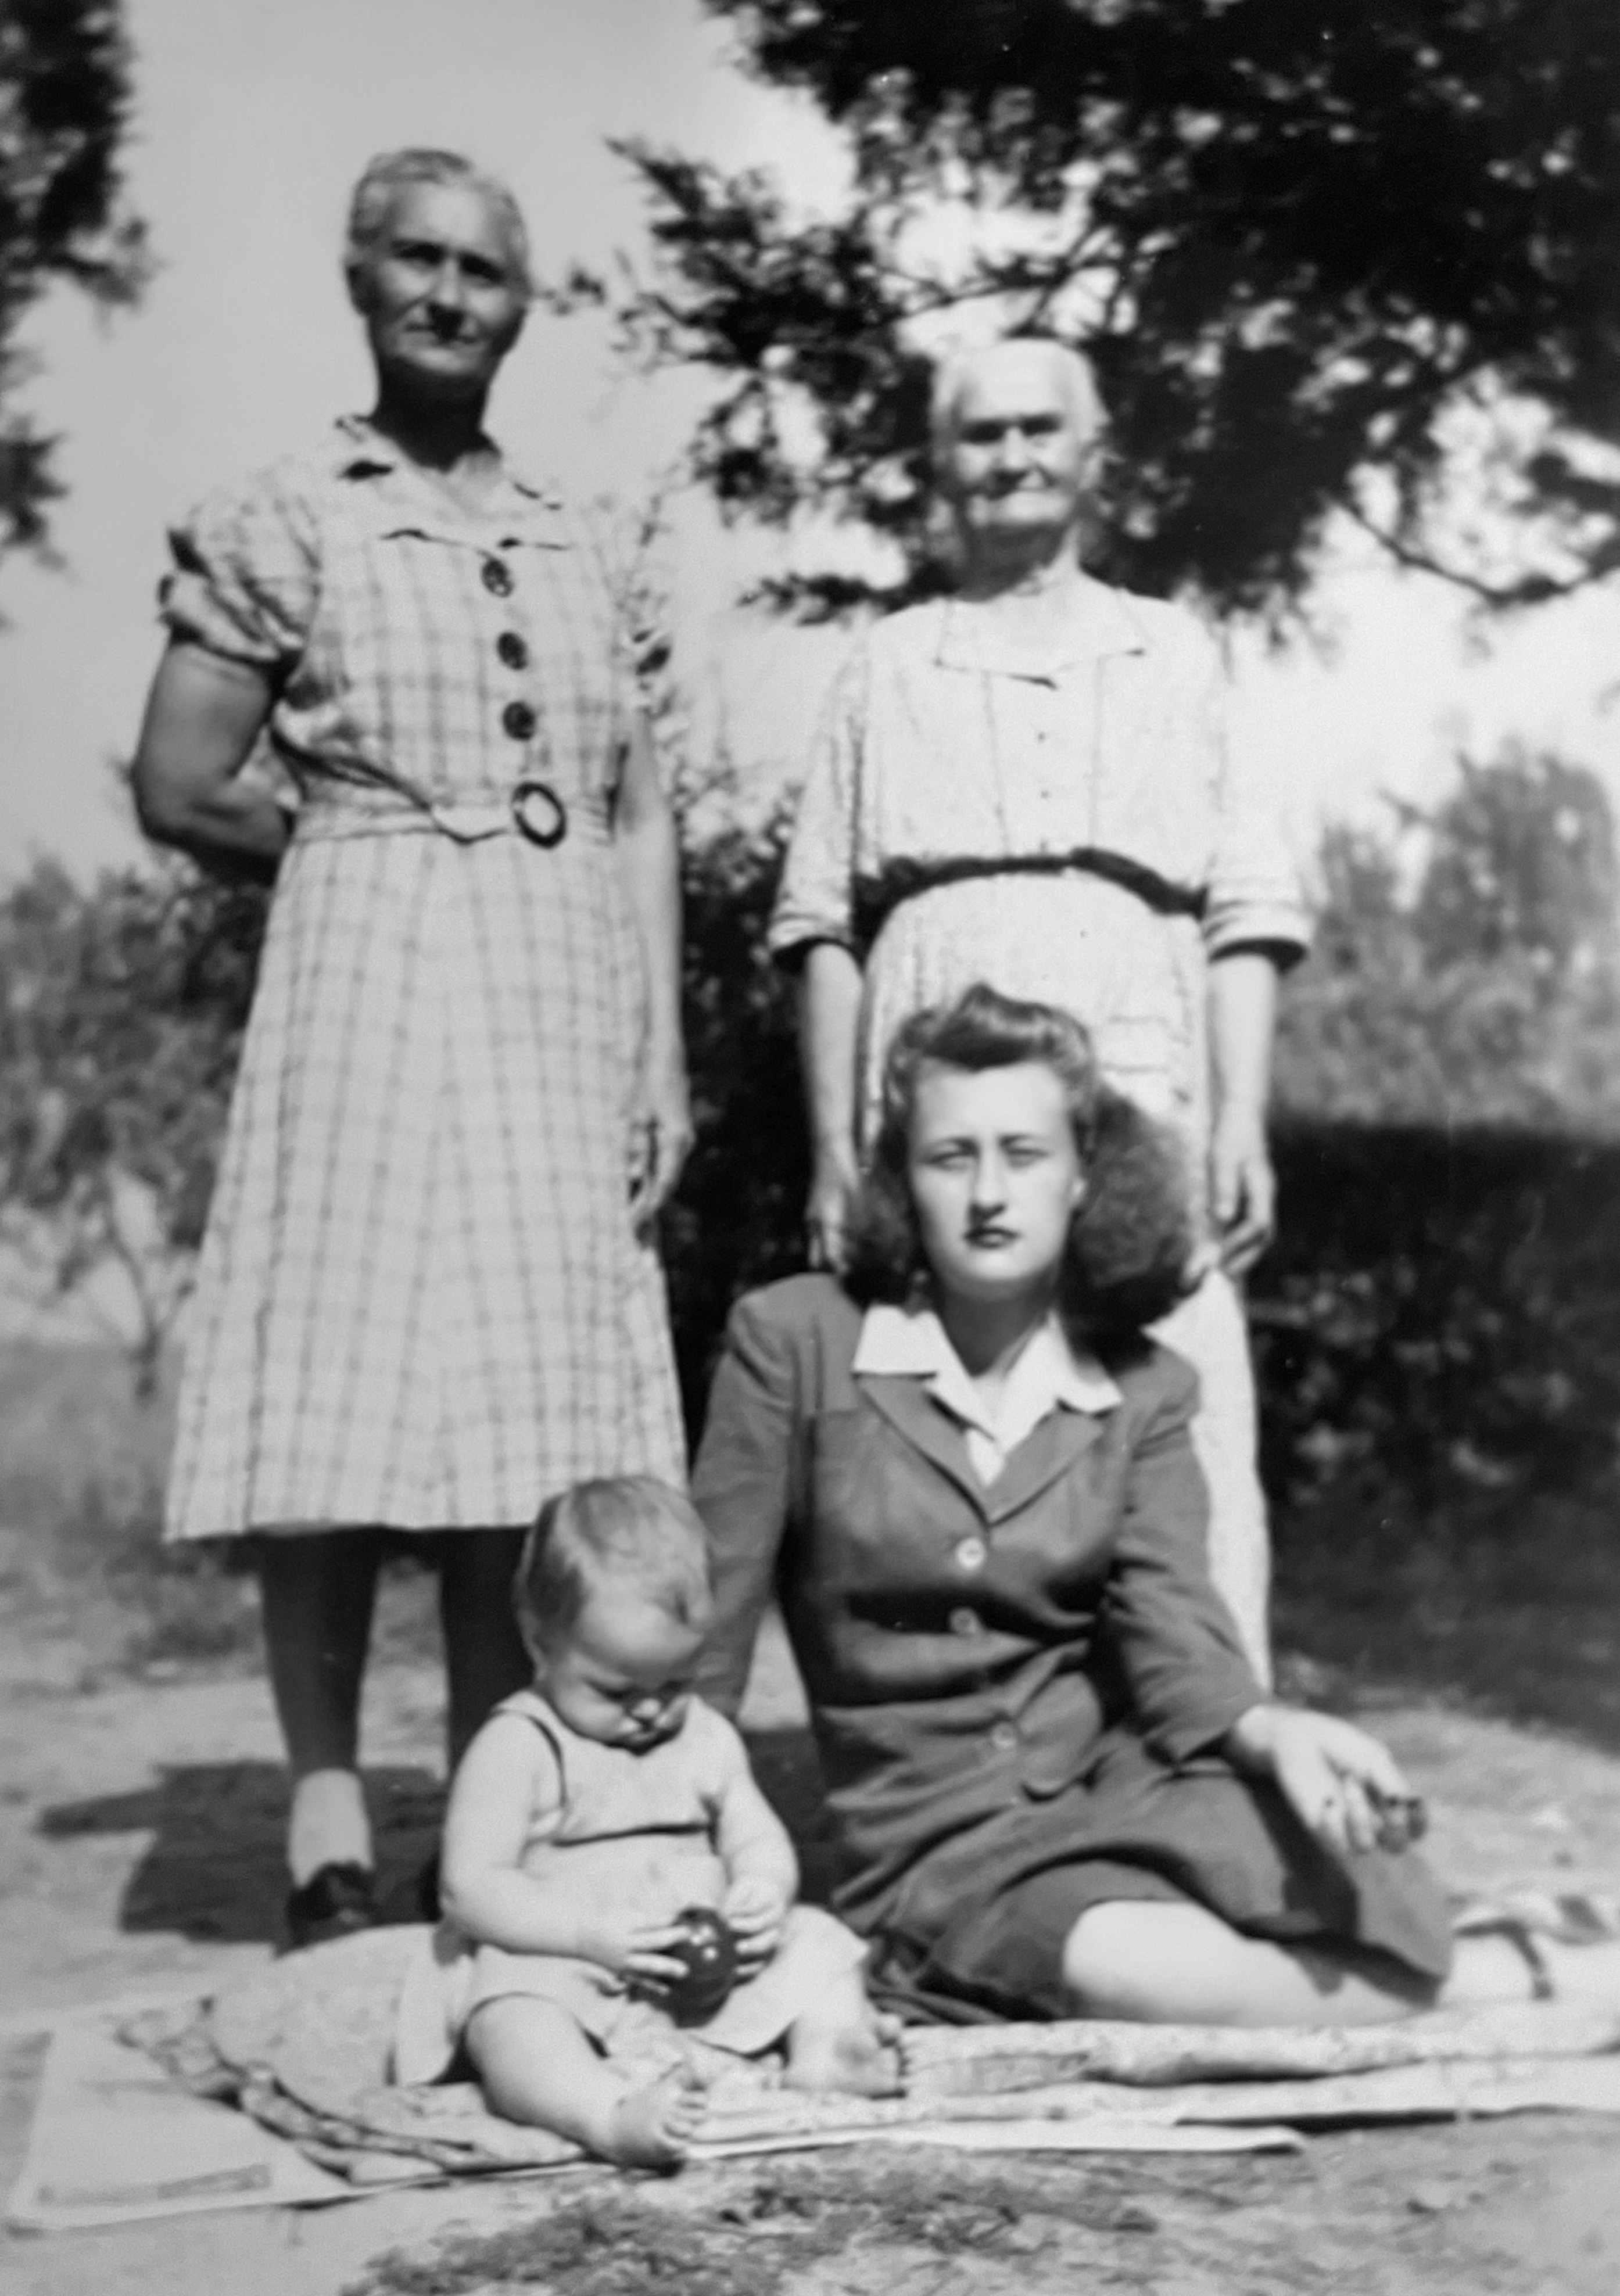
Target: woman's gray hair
(1076, 376)
(389, 174)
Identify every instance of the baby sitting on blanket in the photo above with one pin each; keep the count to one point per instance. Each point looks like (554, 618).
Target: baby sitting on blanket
(587, 1816)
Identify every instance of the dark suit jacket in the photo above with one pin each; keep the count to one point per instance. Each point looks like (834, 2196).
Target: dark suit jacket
(964, 1648)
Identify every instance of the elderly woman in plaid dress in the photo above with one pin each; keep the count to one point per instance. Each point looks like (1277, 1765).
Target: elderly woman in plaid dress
(428, 1296)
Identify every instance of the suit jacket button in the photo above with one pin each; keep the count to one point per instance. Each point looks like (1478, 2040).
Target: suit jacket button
(972, 1554)
(1003, 1737)
(963, 1621)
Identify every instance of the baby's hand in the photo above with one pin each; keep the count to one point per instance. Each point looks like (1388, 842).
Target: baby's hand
(623, 1940)
(754, 1910)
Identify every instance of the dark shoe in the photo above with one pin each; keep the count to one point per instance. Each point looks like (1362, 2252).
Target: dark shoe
(332, 1903)
(427, 1890)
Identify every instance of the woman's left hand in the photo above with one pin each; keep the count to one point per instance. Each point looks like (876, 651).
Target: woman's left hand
(660, 1140)
(1345, 1787)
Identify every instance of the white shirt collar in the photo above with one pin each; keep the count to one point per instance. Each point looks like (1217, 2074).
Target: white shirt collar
(1049, 1374)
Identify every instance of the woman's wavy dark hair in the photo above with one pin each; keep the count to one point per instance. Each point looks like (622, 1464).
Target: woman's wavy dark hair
(1131, 1243)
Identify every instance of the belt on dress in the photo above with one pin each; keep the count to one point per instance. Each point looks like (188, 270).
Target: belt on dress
(876, 898)
(532, 809)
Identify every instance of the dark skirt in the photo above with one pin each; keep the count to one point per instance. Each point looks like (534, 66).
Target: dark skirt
(976, 1931)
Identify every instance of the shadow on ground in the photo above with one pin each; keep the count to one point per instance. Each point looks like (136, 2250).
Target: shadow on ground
(213, 1870)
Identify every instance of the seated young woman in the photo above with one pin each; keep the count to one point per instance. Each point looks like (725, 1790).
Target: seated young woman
(1055, 1785)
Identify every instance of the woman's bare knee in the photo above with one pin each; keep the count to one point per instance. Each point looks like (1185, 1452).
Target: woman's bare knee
(1118, 1958)
(1156, 1963)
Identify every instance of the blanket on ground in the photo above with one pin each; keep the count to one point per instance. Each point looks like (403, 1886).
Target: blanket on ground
(304, 2049)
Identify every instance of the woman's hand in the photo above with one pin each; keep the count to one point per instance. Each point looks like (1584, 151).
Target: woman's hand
(754, 1910)
(1242, 1187)
(660, 1140)
(1343, 1786)
(833, 1181)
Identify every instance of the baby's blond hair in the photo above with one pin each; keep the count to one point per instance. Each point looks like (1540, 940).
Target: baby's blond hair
(629, 1529)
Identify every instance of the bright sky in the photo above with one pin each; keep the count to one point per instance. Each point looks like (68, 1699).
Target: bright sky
(251, 125)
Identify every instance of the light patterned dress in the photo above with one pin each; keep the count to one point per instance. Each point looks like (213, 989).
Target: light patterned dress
(421, 1300)
(1063, 822)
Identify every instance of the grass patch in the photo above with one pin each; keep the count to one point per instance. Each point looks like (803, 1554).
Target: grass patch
(773, 2231)
(82, 1470)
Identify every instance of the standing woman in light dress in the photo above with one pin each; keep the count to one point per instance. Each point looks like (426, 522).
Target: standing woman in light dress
(1026, 783)
(428, 1297)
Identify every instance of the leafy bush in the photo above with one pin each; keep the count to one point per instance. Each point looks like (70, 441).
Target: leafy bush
(738, 1217)
(121, 1012)
(1489, 995)
(1445, 1308)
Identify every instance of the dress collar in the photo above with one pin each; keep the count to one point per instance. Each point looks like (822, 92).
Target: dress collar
(361, 451)
(975, 635)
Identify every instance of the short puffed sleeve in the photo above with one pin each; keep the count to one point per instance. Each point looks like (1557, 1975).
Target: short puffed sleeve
(246, 577)
(816, 899)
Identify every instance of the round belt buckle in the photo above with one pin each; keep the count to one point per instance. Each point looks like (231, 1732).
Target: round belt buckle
(539, 812)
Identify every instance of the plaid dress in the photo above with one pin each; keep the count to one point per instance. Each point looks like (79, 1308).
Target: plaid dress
(421, 1300)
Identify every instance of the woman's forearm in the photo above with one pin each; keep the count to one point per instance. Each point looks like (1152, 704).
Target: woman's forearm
(649, 854)
(1243, 1019)
(234, 831)
(203, 717)
(829, 1025)
(653, 871)
(1242, 1188)
(829, 1019)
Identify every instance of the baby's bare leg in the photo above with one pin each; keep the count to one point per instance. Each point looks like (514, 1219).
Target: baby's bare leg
(845, 2044)
(536, 2064)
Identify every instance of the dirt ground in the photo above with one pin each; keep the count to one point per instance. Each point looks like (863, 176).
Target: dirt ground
(139, 1825)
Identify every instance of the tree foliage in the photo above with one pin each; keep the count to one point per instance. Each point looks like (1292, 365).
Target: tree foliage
(121, 1012)
(1317, 247)
(64, 95)
(1487, 993)
(1523, 858)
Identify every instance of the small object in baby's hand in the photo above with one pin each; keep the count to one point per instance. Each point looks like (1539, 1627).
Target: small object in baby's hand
(709, 1952)
(1401, 1819)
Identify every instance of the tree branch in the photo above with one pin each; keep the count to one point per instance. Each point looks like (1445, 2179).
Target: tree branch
(1528, 590)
